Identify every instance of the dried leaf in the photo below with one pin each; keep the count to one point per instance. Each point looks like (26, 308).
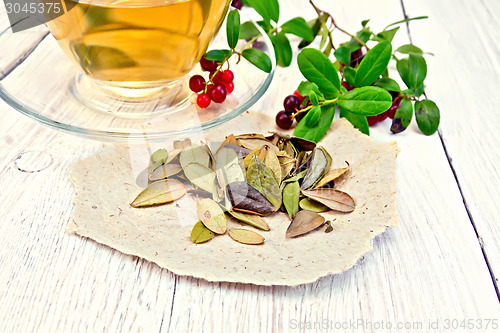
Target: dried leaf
(160, 192)
(332, 175)
(256, 142)
(182, 144)
(272, 162)
(329, 228)
(260, 177)
(314, 206)
(286, 164)
(164, 171)
(289, 149)
(201, 234)
(318, 167)
(260, 152)
(196, 154)
(298, 143)
(247, 199)
(333, 199)
(230, 165)
(304, 222)
(230, 140)
(200, 176)
(246, 236)
(291, 196)
(253, 220)
(157, 159)
(211, 215)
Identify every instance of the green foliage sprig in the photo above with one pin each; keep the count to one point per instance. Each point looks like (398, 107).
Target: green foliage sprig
(352, 77)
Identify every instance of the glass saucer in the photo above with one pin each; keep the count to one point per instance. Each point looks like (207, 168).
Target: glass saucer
(36, 78)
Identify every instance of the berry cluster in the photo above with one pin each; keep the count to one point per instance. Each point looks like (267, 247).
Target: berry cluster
(292, 105)
(219, 85)
(396, 99)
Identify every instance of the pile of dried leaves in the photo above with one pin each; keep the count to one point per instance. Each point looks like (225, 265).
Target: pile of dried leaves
(249, 176)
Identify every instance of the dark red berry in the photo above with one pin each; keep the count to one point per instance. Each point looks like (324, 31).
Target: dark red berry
(259, 45)
(203, 100)
(218, 93)
(227, 76)
(229, 87)
(197, 83)
(372, 120)
(208, 65)
(382, 116)
(216, 78)
(301, 98)
(291, 104)
(347, 85)
(394, 107)
(237, 4)
(209, 87)
(356, 57)
(283, 120)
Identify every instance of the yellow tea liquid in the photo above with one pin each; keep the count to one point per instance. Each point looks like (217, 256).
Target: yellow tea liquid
(138, 41)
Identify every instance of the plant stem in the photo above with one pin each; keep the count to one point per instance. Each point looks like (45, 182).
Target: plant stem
(318, 11)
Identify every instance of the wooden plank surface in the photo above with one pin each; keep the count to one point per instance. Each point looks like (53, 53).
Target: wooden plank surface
(464, 80)
(429, 268)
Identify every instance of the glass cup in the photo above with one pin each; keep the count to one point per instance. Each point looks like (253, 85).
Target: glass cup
(136, 53)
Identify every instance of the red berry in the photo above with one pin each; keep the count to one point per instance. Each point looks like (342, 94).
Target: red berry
(382, 116)
(229, 87)
(291, 104)
(203, 100)
(283, 120)
(197, 83)
(394, 107)
(347, 85)
(209, 87)
(216, 78)
(227, 76)
(208, 65)
(237, 4)
(372, 120)
(301, 98)
(218, 93)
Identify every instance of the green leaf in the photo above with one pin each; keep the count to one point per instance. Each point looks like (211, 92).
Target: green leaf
(427, 114)
(217, 55)
(315, 26)
(366, 101)
(403, 67)
(313, 116)
(282, 49)
(298, 27)
(407, 20)
(364, 23)
(402, 117)
(373, 64)
(343, 54)
(291, 196)
(388, 84)
(417, 71)
(364, 35)
(319, 129)
(266, 25)
(313, 98)
(357, 121)
(248, 30)
(259, 59)
(233, 28)
(407, 48)
(261, 8)
(305, 88)
(350, 75)
(386, 35)
(317, 68)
